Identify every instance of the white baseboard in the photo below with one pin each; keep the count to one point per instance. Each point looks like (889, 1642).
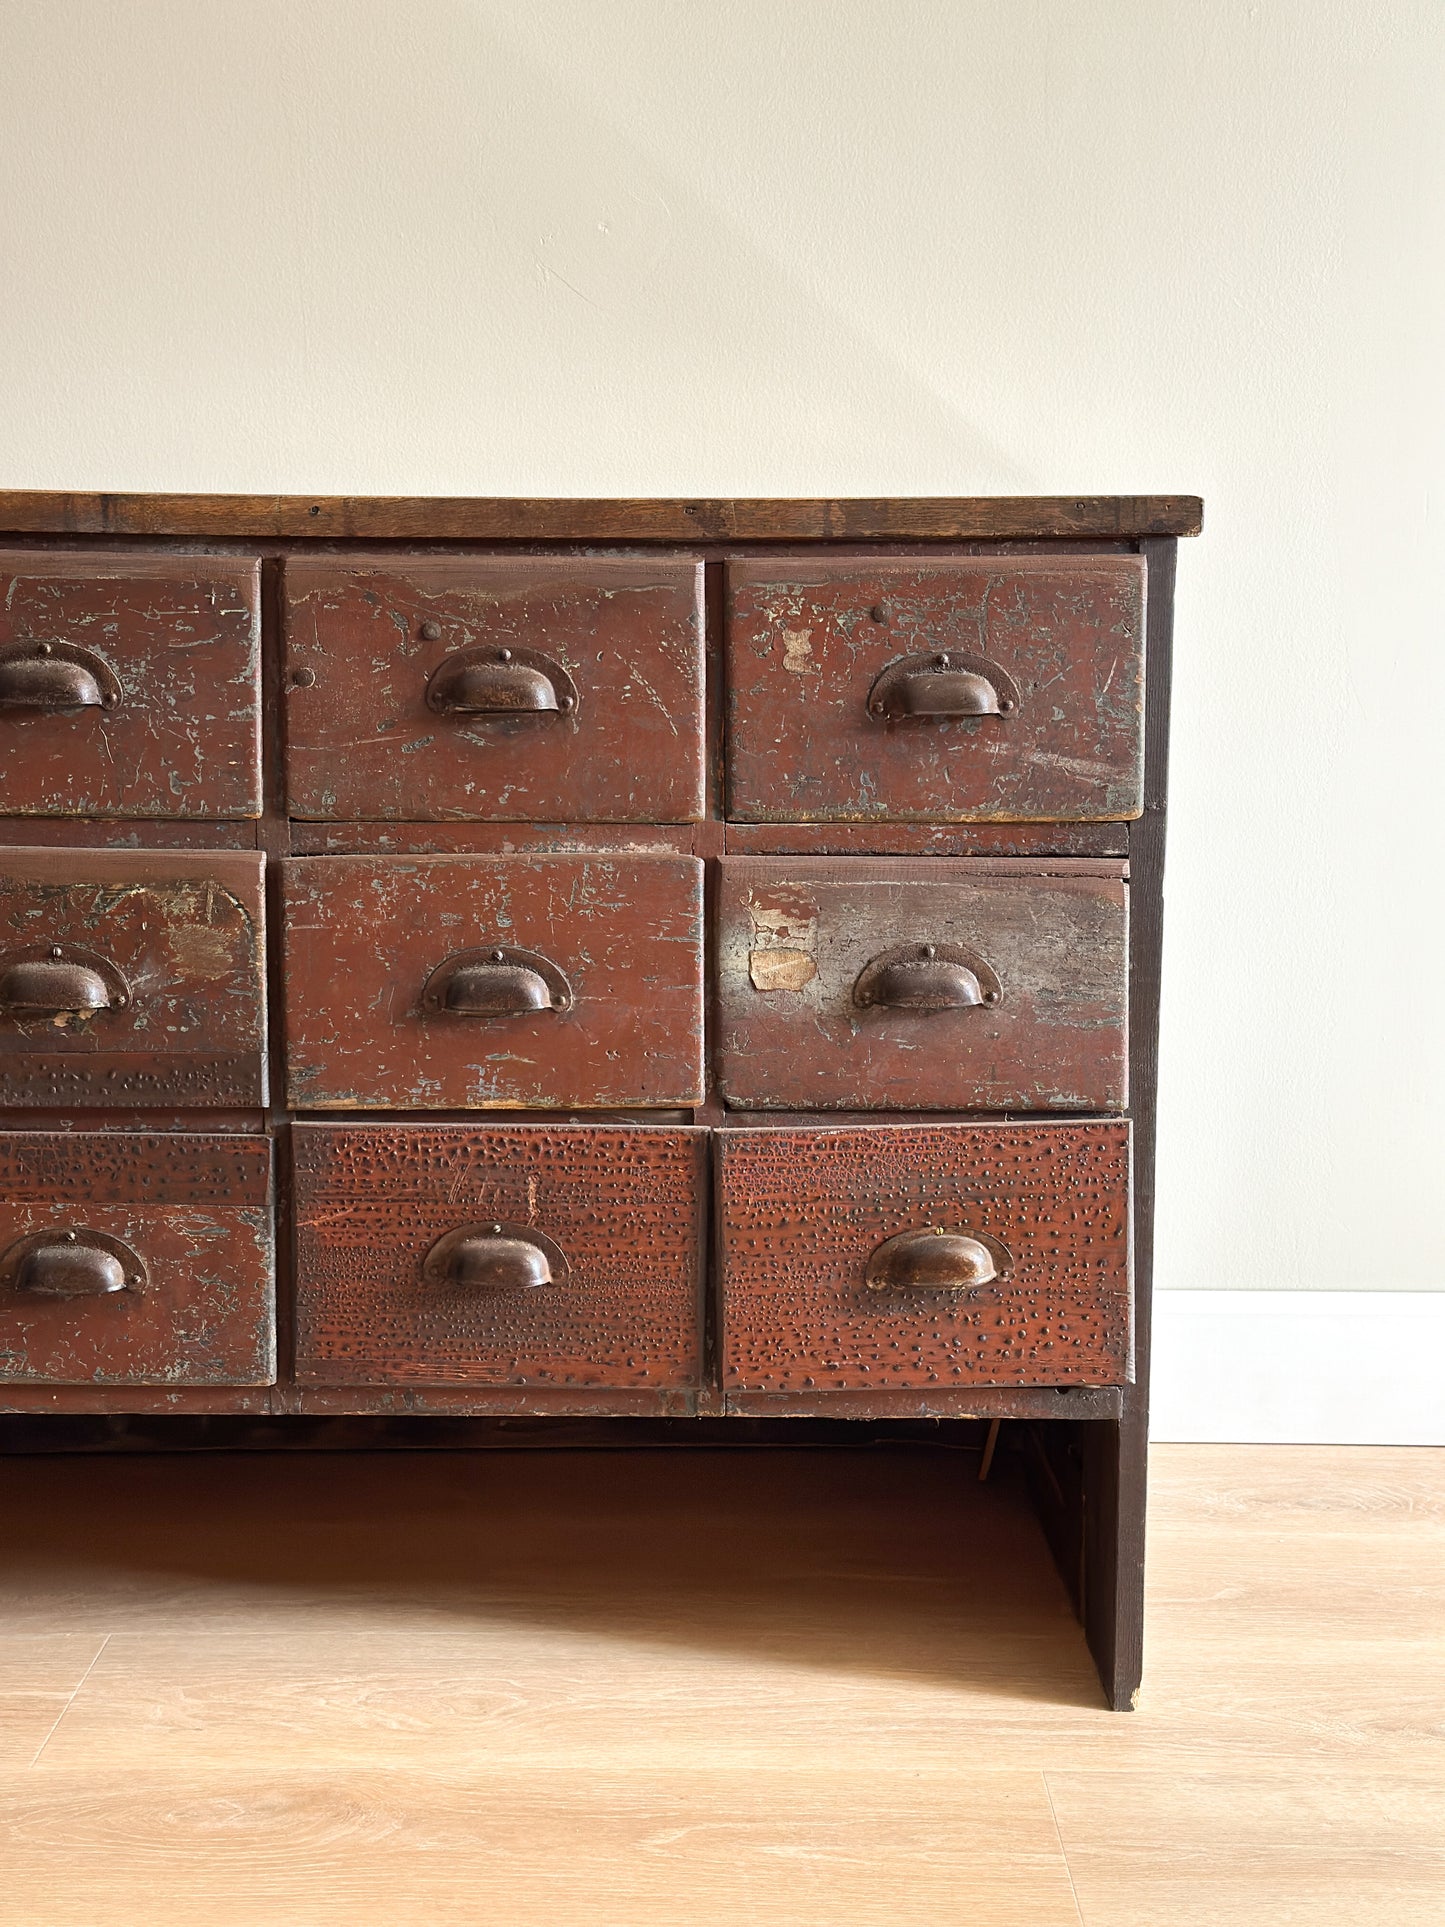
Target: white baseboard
(1299, 1367)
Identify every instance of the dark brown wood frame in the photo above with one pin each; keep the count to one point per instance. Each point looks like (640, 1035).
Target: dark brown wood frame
(1086, 1448)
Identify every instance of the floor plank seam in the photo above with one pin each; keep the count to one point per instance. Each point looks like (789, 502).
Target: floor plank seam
(95, 1661)
(1063, 1850)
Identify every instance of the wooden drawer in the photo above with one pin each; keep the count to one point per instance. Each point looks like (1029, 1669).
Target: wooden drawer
(1009, 1266)
(131, 978)
(129, 686)
(521, 1255)
(862, 690)
(829, 1000)
(135, 1260)
(452, 983)
(551, 689)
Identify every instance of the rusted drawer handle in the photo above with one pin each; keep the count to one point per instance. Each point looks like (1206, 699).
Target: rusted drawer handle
(495, 1257)
(946, 684)
(501, 982)
(927, 976)
(56, 675)
(51, 979)
(71, 1264)
(500, 682)
(938, 1260)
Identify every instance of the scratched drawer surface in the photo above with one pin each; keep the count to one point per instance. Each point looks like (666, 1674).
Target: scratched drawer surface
(546, 1256)
(1003, 689)
(546, 688)
(860, 983)
(450, 983)
(129, 686)
(130, 1259)
(896, 1257)
(131, 977)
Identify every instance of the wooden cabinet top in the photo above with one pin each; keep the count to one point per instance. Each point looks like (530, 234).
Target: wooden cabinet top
(520, 518)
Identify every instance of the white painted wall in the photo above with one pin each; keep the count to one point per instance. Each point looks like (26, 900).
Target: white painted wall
(859, 246)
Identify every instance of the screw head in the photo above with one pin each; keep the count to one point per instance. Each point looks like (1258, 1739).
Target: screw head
(567, 701)
(990, 996)
(303, 678)
(42, 648)
(495, 1229)
(942, 661)
(431, 632)
(927, 950)
(1006, 704)
(68, 1238)
(878, 613)
(56, 951)
(877, 707)
(499, 956)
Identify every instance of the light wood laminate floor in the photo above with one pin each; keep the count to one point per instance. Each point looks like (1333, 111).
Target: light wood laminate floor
(796, 1688)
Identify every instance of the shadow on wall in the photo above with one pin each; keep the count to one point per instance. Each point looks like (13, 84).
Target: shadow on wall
(446, 270)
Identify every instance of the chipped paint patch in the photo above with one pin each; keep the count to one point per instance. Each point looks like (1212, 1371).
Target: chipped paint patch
(783, 944)
(781, 969)
(798, 652)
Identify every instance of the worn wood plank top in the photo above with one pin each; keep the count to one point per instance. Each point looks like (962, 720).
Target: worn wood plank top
(519, 518)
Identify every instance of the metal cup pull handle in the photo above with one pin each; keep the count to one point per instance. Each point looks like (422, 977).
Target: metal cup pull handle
(927, 976)
(500, 683)
(495, 1257)
(56, 676)
(56, 980)
(71, 1264)
(502, 981)
(947, 684)
(938, 1260)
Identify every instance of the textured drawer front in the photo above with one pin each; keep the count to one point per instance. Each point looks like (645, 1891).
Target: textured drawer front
(376, 947)
(813, 736)
(135, 1260)
(827, 999)
(131, 978)
(411, 688)
(803, 1214)
(129, 686)
(401, 1277)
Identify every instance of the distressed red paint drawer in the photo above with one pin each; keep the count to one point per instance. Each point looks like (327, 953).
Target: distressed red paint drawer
(546, 1256)
(917, 1257)
(546, 688)
(129, 686)
(990, 689)
(859, 983)
(451, 983)
(132, 977)
(135, 1260)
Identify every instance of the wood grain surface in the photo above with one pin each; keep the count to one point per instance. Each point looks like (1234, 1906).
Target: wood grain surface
(186, 931)
(362, 936)
(792, 938)
(810, 1688)
(626, 1208)
(182, 636)
(196, 1210)
(800, 1211)
(538, 519)
(807, 636)
(364, 636)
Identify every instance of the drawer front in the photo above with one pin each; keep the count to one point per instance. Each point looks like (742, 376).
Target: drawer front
(544, 689)
(131, 978)
(129, 686)
(828, 997)
(523, 1255)
(988, 690)
(896, 1257)
(135, 1260)
(460, 983)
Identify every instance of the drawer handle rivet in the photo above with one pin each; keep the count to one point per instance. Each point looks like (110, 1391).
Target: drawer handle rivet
(431, 632)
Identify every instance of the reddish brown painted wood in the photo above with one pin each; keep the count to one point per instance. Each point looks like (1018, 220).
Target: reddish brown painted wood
(186, 931)
(181, 634)
(928, 839)
(624, 1206)
(801, 1211)
(492, 839)
(197, 1212)
(807, 636)
(793, 936)
(362, 742)
(490, 518)
(363, 934)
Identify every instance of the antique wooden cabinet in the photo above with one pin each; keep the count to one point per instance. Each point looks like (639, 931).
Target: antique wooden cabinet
(690, 960)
